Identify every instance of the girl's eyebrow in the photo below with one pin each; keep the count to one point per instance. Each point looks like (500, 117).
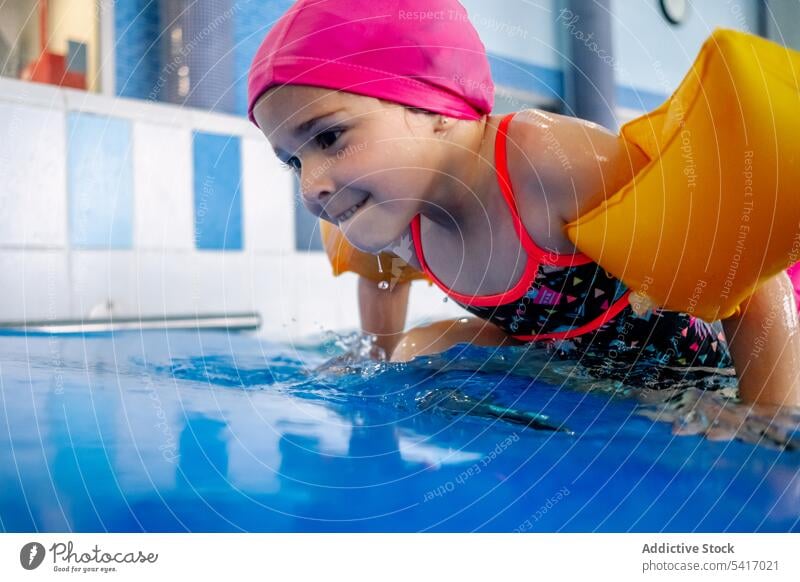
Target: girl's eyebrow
(309, 125)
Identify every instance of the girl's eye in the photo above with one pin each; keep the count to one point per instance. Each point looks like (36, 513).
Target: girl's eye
(293, 164)
(324, 140)
(327, 138)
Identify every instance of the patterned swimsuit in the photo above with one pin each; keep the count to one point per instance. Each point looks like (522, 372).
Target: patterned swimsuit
(571, 302)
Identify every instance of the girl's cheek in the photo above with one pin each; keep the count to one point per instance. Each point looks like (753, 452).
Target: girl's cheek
(358, 172)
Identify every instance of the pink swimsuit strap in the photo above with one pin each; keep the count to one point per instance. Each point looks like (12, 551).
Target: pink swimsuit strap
(536, 255)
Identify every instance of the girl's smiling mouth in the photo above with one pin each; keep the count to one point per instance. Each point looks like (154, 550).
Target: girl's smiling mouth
(347, 214)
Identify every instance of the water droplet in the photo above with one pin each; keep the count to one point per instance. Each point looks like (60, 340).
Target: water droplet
(383, 285)
(444, 300)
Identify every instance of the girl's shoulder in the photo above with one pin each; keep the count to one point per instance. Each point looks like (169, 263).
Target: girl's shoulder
(565, 166)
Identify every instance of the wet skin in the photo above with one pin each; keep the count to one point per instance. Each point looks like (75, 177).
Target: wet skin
(371, 166)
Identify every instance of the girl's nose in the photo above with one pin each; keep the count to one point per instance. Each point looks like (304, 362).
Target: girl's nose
(316, 185)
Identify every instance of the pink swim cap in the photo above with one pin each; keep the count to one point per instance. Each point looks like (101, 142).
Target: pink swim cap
(420, 53)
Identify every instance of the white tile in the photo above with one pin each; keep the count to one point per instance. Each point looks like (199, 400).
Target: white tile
(427, 304)
(35, 285)
(222, 123)
(144, 110)
(322, 302)
(220, 282)
(33, 197)
(270, 293)
(16, 91)
(160, 283)
(164, 282)
(297, 296)
(88, 102)
(104, 277)
(192, 283)
(162, 181)
(267, 194)
(172, 283)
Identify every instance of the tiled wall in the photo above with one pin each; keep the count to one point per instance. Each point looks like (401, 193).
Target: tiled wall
(145, 208)
(148, 209)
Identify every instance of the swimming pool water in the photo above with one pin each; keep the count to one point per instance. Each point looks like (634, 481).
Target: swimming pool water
(212, 431)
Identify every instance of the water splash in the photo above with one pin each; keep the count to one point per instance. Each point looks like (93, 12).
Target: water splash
(351, 367)
(359, 354)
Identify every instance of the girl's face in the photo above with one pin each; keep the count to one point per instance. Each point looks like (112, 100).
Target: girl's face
(364, 165)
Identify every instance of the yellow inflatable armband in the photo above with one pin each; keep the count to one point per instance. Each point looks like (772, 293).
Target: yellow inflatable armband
(716, 211)
(344, 257)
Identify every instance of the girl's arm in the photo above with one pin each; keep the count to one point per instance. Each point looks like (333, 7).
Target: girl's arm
(764, 341)
(383, 312)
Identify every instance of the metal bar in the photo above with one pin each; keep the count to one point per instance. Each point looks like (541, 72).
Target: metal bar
(226, 321)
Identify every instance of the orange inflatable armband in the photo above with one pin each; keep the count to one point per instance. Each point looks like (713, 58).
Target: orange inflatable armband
(716, 211)
(344, 257)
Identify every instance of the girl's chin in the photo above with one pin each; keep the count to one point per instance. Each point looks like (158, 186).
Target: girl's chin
(371, 246)
(374, 232)
(371, 242)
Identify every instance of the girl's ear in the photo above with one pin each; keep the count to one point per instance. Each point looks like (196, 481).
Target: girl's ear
(443, 123)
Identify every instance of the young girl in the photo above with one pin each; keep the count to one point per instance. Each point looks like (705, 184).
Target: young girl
(383, 110)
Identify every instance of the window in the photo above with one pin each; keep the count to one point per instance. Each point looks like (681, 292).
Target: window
(51, 41)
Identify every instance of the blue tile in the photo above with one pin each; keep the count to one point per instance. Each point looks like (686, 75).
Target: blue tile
(99, 181)
(217, 193)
